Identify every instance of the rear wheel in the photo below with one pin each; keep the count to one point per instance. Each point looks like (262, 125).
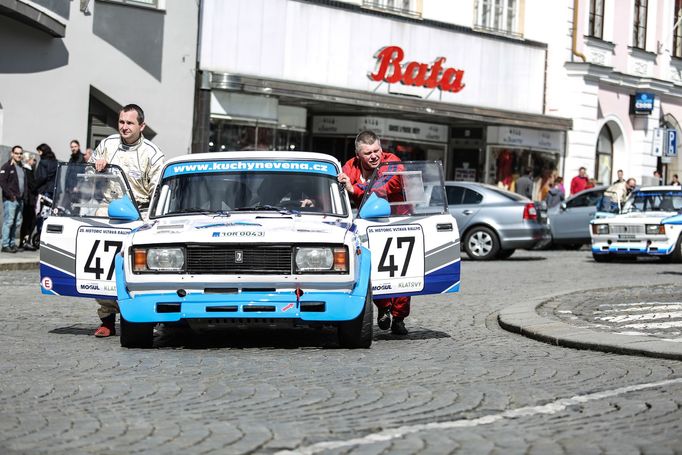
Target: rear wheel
(481, 243)
(358, 332)
(136, 334)
(504, 254)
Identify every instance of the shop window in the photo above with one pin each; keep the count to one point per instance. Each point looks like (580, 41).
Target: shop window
(497, 16)
(639, 24)
(510, 164)
(596, 19)
(604, 158)
(230, 136)
(677, 30)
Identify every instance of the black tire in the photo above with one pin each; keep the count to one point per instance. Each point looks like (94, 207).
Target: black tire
(676, 255)
(504, 254)
(136, 334)
(357, 333)
(481, 243)
(35, 240)
(602, 257)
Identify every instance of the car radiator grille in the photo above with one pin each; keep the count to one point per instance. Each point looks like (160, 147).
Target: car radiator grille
(238, 259)
(626, 229)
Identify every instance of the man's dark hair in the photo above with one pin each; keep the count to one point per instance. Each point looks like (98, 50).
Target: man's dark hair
(17, 147)
(75, 141)
(136, 108)
(527, 170)
(582, 168)
(365, 137)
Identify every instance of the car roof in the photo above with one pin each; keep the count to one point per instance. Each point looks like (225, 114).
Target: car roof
(255, 155)
(491, 191)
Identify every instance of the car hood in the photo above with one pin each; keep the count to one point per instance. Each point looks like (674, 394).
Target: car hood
(242, 229)
(637, 217)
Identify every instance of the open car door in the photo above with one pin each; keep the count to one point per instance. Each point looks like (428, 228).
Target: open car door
(416, 249)
(78, 240)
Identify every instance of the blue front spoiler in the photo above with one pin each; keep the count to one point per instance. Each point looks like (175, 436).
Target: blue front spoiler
(310, 307)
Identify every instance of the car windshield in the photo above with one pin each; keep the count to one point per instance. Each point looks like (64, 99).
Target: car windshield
(249, 191)
(654, 201)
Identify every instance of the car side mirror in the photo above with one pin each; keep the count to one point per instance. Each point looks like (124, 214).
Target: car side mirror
(375, 207)
(563, 206)
(123, 209)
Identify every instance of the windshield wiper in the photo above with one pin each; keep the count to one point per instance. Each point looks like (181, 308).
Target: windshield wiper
(197, 210)
(266, 208)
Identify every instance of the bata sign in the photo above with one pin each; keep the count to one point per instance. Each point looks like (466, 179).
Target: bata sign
(391, 69)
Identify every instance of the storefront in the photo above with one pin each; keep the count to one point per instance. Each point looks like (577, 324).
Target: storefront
(511, 151)
(315, 88)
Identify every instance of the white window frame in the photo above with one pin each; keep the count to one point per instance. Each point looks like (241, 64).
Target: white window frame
(498, 16)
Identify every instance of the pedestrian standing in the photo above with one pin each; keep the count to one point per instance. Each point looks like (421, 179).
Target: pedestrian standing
(87, 154)
(556, 194)
(141, 161)
(658, 178)
(620, 177)
(14, 185)
(524, 184)
(355, 176)
(46, 171)
(580, 181)
(28, 222)
(675, 181)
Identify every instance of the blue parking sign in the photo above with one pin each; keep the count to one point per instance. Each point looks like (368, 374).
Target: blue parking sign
(671, 148)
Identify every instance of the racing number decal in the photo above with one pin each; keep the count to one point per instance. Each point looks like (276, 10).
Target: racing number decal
(397, 258)
(96, 250)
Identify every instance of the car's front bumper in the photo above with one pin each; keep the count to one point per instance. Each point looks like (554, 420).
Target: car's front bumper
(638, 245)
(313, 306)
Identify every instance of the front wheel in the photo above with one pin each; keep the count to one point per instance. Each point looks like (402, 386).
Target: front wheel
(481, 243)
(602, 257)
(136, 334)
(357, 333)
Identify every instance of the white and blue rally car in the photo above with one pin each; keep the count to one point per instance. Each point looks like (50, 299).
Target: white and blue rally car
(249, 238)
(641, 229)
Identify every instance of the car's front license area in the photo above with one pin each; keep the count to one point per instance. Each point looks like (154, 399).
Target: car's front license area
(305, 282)
(631, 239)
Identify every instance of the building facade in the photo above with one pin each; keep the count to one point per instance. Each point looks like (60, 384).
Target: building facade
(67, 67)
(617, 73)
(438, 80)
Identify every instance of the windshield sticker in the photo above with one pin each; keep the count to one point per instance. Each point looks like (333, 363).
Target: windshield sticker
(314, 167)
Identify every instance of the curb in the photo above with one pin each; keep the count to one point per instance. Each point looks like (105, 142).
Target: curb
(23, 265)
(522, 318)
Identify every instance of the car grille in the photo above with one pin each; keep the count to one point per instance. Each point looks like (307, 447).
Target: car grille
(239, 259)
(626, 229)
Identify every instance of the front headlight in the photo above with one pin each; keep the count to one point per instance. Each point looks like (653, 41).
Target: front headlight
(655, 229)
(158, 259)
(600, 229)
(321, 259)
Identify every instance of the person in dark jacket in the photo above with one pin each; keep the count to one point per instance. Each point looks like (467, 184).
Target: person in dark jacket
(30, 196)
(14, 184)
(46, 171)
(524, 185)
(45, 175)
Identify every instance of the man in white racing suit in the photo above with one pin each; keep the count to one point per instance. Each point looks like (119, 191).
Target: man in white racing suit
(141, 161)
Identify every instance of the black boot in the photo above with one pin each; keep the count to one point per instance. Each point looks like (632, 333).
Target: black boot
(398, 327)
(384, 318)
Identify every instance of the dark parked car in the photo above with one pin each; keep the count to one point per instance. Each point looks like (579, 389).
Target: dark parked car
(493, 222)
(569, 222)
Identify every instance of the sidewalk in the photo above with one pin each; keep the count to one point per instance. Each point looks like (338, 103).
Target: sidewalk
(22, 260)
(644, 321)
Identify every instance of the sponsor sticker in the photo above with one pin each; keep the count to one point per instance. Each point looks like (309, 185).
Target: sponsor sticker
(397, 258)
(96, 250)
(46, 282)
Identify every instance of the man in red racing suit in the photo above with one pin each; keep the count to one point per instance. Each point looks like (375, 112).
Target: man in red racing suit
(355, 176)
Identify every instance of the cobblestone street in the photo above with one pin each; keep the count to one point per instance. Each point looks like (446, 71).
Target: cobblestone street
(457, 383)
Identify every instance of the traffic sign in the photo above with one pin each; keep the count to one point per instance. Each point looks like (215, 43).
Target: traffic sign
(671, 143)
